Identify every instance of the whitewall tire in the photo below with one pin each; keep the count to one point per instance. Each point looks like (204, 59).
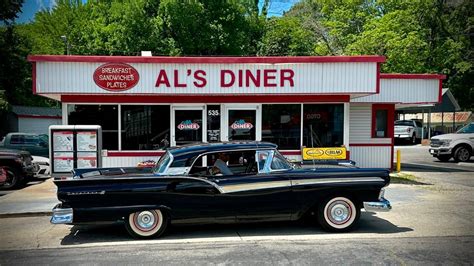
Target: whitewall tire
(146, 223)
(338, 214)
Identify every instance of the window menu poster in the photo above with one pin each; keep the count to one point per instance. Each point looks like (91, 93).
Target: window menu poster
(63, 161)
(86, 140)
(86, 160)
(63, 141)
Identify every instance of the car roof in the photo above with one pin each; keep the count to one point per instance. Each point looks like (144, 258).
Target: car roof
(220, 146)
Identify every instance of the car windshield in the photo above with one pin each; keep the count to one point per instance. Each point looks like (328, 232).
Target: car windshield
(162, 164)
(466, 129)
(404, 123)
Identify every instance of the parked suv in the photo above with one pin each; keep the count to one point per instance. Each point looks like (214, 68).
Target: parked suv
(459, 145)
(410, 130)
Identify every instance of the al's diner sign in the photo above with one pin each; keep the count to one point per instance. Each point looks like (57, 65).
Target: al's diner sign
(107, 75)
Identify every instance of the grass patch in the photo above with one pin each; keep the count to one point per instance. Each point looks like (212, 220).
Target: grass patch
(403, 178)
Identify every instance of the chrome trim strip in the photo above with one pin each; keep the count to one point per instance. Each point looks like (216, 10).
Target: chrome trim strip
(255, 186)
(62, 216)
(289, 183)
(335, 180)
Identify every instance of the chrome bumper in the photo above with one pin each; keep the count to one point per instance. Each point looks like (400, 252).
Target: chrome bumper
(62, 215)
(378, 206)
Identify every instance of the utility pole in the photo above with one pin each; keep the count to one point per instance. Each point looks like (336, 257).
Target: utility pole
(66, 44)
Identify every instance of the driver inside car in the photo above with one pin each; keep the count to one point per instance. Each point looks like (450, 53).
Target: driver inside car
(220, 165)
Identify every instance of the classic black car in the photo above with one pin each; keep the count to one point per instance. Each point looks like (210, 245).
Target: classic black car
(219, 183)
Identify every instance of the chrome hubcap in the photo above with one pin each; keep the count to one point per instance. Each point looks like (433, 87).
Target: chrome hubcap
(146, 220)
(339, 212)
(463, 154)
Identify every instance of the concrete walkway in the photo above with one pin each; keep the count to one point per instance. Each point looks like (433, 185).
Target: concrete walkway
(34, 200)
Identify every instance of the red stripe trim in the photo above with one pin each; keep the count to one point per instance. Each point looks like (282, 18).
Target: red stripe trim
(290, 152)
(40, 116)
(412, 76)
(203, 99)
(134, 153)
(377, 86)
(207, 60)
(370, 144)
(33, 78)
(440, 94)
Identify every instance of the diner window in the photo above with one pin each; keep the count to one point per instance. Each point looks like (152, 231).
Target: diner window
(381, 120)
(145, 127)
(323, 125)
(104, 115)
(281, 124)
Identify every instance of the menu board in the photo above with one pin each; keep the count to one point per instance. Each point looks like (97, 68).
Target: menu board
(63, 161)
(86, 160)
(86, 140)
(63, 141)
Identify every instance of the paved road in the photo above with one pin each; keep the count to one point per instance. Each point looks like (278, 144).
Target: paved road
(398, 251)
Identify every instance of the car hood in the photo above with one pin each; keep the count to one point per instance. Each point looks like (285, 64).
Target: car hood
(451, 136)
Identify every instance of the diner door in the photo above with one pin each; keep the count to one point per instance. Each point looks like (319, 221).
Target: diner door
(242, 123)
(188, 124)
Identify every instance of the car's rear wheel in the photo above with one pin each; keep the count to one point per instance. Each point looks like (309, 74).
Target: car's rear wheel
(13, 180)
(462, 154)
(147, 224)
(444, 158)
(338, 214)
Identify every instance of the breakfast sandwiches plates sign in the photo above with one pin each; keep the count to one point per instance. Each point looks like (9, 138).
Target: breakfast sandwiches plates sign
(332, 153)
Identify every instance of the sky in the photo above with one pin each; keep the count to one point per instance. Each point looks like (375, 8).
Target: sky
(30, 7)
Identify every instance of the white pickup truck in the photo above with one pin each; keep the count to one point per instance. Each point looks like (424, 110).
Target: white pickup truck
(408, 130)
(459, 145)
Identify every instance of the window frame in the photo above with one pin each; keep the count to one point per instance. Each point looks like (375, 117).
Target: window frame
(390, 108)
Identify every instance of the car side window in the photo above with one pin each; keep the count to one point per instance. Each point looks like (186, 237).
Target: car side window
(262, 157)
(225, 163)
(17, 139)
(279, 162)
(418, 124)
(31, 140)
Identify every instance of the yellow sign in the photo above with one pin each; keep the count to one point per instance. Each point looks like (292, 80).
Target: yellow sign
(324, 153)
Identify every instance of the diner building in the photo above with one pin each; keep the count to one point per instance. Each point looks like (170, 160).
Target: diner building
(145, 104)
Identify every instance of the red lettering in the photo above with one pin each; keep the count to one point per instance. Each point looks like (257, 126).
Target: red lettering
(224, 73)
(200, 79)
(255, 79)
(162, 79)
(176, 80)
(288, 77)
(269, 76)
(240, 79)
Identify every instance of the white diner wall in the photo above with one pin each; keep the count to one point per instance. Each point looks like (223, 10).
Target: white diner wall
(361, 126)
(372, 156)
(404, 91)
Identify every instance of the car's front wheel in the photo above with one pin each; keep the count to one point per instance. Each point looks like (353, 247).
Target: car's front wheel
(462, 154)
(338, 214)
(147, 224)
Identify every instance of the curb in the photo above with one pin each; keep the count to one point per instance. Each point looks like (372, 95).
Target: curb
(25, 214)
